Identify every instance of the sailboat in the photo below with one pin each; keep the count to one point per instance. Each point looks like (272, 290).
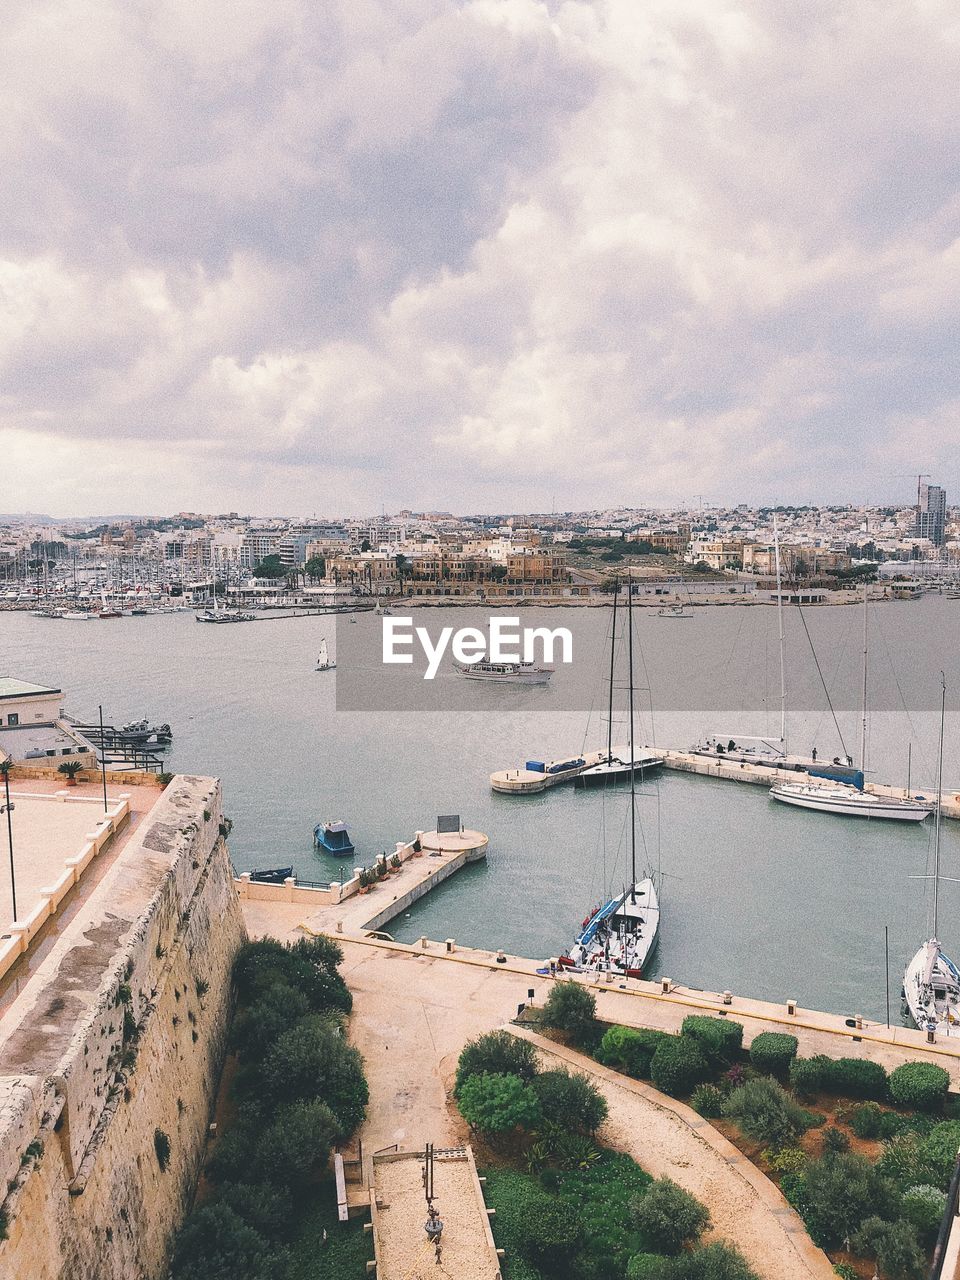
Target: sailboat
(617, 763)
(847, 800)
(674, 610)
(621, 934)
(931, 981)
(324, 661)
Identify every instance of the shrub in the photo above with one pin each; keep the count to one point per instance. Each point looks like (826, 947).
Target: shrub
(790, 1160)
(265, 1209)
(307, 966)
(867, 1121)
(496, 1053)
(765, 1112)
(856, 1078)
(719, 1039)
(924, 1207)
(496, 1103)
(808, 1075)
(839, 1192)
(894, 1244)
(531, 1224)
(216, 1244)
(678, 1066)
(715, 1261)
(772, 1052)
(845, 1271)
(630, 1049)
(310, 1060)
(259, 1025)
(645, 1266)
(297, 1142)
(570, 1100)
(669, 1217)
(707, 1101)
(161, 1145)
(835, 1140)
(232, 1157)
(922, 1086)
(572, 1008)
(940, 1148)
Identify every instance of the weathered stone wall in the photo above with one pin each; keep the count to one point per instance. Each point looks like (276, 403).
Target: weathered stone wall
(118, 1036)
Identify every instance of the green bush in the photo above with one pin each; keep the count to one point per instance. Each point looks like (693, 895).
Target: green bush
(808, 1076)
(791, 1160)
(215, 1244)
(630, 1049)
(765, 1112)
(264, 1208)
(531, 1224)
(845, 1271)
(924, 1207)
(573, 1101)
(645, 1266)
(678, 1066)
(856, 1078)
(715, 1261)
(495, 1104)
(297, 1142)
(669, 1217)
(867, 1121)
(838, 1193)
(496, 1053)
(719, 1039)
(311, 1060)
(572, 1008)
(835, 1140)
(258, 1025)
(922, 1086)
(940, 1148)
(772, 1052)
(308, 966)
(707, 1101)
(895, 1247)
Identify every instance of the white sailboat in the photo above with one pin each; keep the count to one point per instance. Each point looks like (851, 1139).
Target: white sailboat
(324, 661)
(621, 934)
(931, 981)
(844, 799)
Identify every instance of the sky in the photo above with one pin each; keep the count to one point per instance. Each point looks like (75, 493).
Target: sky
(476, 255)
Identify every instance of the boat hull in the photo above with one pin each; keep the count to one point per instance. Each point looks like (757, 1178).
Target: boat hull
(851, 806)
(609, 773)
(621, 936)
(927, 1011)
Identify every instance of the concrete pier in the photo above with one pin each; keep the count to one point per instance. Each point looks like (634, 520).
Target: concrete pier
(528, 782)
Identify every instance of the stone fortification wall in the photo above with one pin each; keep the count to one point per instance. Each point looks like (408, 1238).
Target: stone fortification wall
(110, 1055)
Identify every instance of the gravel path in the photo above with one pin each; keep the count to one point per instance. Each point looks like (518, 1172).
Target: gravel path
(670, 1140)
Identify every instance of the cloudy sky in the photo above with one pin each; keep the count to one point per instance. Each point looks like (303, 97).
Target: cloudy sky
(330, 256)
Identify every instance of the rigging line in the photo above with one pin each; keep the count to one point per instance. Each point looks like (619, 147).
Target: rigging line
(841, 650)
(826, 691)
(915, 735)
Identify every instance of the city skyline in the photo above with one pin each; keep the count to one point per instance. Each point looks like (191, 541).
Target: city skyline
(493, 255)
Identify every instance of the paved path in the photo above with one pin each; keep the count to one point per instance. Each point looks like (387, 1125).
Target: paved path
(670, 1140)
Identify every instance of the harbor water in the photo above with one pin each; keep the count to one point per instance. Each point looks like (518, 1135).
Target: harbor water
(758, 898)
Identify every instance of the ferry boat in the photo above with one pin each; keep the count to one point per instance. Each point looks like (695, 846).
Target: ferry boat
(848, 801)
(504, 672)
(333, 838)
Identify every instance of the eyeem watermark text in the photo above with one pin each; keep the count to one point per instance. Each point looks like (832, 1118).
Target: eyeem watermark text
(504, 641)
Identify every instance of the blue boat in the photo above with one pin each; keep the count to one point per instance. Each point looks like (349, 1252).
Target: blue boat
(333, 838)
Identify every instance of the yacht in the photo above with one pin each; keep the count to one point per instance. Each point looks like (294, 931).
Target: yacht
(504, 672)
(848, 801)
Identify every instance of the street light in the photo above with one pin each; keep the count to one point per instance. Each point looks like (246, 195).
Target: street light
(8, 808)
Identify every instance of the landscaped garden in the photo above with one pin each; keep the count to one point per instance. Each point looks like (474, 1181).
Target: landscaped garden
(266, 1209)
(864, 1157)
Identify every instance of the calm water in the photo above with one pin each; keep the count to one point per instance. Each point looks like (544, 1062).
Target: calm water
(757, 897)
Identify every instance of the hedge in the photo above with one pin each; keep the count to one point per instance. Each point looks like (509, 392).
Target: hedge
(719, 1039)
(772, 1052)
(808, 1075)
(678, 1066)
(630, 1050)
(919, 1085)
(856, 1078)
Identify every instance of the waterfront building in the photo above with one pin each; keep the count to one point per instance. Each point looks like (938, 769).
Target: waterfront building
(932, 514)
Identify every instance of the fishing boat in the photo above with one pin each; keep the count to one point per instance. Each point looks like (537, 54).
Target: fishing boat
(931, 981)
(621, 934)
(272, 875)
(333, 838)
(850, 799)
(615, 766)
(324, 661)
(504, 672)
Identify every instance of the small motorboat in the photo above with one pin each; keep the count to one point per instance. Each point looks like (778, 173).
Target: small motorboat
(333, 838)
(272, 875)
(143, 732)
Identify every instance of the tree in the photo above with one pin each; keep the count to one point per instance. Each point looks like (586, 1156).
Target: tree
(571, 1100)
(499, 1053)
(498, 1104)
(269, 567)
(895, 1247)
(669, 1217)
(310, 966)
(297, 1142)
(572, 1008)
(765, 1112)
(715, 1261)
(365, 545)
(315, 568)
(839, 1193)
(260, 1024)
(264, 1208)
(311, 1060)
(216, 1244)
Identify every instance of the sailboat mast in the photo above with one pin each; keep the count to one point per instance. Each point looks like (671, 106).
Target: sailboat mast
(613, 642)
(633, 757)
(936, 854)
(783, 674)
(863, 692)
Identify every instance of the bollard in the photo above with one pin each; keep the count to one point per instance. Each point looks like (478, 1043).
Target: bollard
(728, 997)
(501, 958)
(423, 942)
(858, 1022)
(792, 1008)
(450, 944)
(931, 1035)
(339, 926)
(609, 976)
(665, 985)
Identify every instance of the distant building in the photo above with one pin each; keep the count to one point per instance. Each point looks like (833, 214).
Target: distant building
(932, 513)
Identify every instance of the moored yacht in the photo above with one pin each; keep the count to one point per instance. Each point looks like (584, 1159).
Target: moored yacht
(504, 672)
(848, 801)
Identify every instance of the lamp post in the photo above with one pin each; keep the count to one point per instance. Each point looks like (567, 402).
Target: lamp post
(8, 808)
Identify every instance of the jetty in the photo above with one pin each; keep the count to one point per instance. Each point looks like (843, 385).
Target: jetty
(539, 775)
